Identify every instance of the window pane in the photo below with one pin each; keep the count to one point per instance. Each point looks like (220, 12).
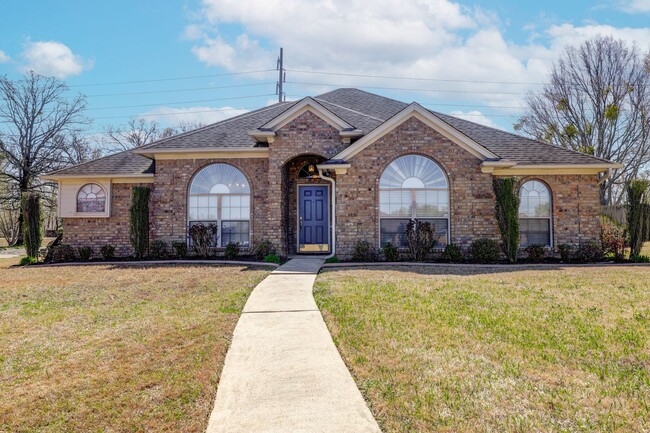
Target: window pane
(535, 200)
(234, 231)
(393, 231)
(535, 231)
(219, 178)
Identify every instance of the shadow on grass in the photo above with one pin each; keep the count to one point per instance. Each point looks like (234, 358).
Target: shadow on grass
(461, 269)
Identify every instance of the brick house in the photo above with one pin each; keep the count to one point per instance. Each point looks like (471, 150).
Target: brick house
(319, 174)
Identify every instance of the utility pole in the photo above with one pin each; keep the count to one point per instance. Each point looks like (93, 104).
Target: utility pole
(282, 77)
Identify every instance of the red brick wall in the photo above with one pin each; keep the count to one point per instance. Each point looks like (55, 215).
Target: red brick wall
(97, 232)
(274, 180)
(173, 179)
(471, 201)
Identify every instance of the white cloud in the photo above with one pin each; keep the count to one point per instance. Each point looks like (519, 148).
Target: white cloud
(474, 116)
(635, 6)
(54, 59)
(425, 39)
(169, 116)
(4, 58)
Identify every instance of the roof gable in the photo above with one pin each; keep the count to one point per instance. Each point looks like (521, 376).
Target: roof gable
(428, 118)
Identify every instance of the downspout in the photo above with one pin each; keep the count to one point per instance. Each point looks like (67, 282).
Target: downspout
(330, 180)
(608, 174)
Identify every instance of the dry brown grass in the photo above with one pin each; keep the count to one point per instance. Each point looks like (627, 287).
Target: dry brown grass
(456, 350)
(115, 349)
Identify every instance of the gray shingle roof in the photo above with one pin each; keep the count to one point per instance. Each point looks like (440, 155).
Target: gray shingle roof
(122, 163)
(363, 110)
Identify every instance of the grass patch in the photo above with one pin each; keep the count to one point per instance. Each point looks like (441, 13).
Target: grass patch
(445, 350)
(115, 348)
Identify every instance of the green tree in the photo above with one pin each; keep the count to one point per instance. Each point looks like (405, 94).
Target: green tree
(139, 219)
(637, 200)
(31, 209)
(507, 215)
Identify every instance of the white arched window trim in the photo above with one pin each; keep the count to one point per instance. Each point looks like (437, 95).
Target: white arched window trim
(91, 198)
(535, 214)
(413, 186)
(220, 194)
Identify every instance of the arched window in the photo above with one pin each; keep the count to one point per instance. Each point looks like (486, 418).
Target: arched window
(220, 194)
(535, 214)
(412, 186)
(91, 198)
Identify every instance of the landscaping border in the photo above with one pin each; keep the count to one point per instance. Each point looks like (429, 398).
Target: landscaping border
(161, 262)
(477, 265)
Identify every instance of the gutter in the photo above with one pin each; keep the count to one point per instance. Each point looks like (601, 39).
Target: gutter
(333, 182)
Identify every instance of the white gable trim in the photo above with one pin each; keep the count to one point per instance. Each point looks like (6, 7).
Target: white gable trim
(307, 104)
(429, 119)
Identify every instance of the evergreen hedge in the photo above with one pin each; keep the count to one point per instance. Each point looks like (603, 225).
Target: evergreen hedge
(507, 214)
(139, 219)
(32, 233)
(637, 199)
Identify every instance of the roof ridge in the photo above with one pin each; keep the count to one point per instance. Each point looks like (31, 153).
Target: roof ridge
(525, 138)
(349, 109)
(221, 122)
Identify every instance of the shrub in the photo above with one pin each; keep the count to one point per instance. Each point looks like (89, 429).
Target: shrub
(612, 239)
(180, 249)
(139, 220)
(32, 234)
(272, 258)
(364, 251)
(390, 252)
(640, 259)
(203, 238)
(507, 214)
(332, 259)
(589, 252)
(63, 253)
(85, 253)
(485, 250)
(232, 251)
(263, 249)
(452, 254)
(637, 198)
(535, 252)
(421, 237)
(29, 260)
(158, 249)
(565, 252)
(107, 252)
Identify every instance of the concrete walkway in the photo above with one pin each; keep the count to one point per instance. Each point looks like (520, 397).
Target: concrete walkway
(283, 372)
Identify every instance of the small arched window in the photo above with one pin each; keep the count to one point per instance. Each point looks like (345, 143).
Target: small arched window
(220, 194)
(535, 214)
(412, 186)
(91, 198)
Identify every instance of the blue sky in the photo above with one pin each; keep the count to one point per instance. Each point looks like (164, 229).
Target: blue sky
(473, 59)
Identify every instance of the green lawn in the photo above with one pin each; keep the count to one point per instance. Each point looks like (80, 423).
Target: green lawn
(451, 350)
(115, 348)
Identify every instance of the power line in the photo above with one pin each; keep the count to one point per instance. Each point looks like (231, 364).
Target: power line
(409, 89)
(214, 110)
(412, 78)
(180, 90)
(192, 77)
(181, 102)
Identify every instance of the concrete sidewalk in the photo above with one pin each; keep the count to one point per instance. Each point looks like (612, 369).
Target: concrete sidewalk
(283, 372)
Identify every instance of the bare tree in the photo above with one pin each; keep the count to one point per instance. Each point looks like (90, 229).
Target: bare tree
(136, 133)
(597, 101)
(139, 132)
(33, 112)
(77, 148)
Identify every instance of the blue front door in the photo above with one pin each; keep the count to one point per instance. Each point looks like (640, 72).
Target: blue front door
(313, 217)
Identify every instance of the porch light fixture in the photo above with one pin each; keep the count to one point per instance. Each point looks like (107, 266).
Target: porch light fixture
(308, 171)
